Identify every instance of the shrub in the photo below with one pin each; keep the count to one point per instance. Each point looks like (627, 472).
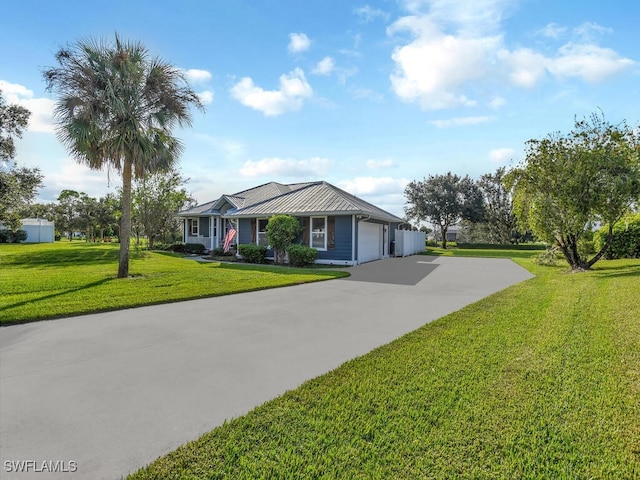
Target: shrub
(548, 258)
(626, 239)
(300, 256)
(195, 248)
(7, 236)
(219, 252)
(253, 253)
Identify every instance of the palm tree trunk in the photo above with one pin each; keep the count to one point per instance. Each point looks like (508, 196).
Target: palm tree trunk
(125, 221)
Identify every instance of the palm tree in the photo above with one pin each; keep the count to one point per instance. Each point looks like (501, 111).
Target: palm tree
(116, 109)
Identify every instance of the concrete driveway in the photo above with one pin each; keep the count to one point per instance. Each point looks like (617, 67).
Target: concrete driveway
(108, 393)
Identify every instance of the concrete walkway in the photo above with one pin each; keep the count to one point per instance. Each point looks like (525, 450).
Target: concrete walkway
(113, 391)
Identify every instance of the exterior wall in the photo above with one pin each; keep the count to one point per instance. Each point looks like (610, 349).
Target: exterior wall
(342, 250)
(205, 235)
(38, 230)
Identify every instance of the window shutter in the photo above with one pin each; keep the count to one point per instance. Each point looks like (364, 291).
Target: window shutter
(253, 230)
(331, 231)
(304, 221)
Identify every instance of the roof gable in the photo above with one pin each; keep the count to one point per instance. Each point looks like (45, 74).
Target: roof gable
(308, 198)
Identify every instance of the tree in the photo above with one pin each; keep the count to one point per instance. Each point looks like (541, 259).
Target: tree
(67, 212)
(282, 230)
(18, 187)
(107, 214)
(566, 183)
(499, 219)
(13, 120)
(156, 200)
(444, 200)
(117, 108)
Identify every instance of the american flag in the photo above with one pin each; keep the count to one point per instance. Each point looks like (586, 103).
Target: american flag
(229, 238)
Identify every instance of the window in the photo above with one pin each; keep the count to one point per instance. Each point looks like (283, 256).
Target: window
(193, 227)
(262, 232)
(319, 233)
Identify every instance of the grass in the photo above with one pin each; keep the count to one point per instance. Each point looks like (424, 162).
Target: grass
(40, 281)
(541, 380)
(481, 252)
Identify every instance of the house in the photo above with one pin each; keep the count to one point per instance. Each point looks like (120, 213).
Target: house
(343, 228)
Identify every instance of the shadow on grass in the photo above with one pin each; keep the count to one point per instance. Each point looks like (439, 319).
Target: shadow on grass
(611, 270)
(74, 254)
(49, 297)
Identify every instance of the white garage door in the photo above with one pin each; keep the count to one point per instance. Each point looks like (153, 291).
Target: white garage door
(369, 242)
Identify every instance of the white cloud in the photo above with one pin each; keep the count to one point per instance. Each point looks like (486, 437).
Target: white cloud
(324, 66)
(458, 47)
(378, 164)
(369, 14)
(588, 62)
(588, 31)
(526, 66)
(460, 121)
(501, 155)
(552, 30)
(41, 118)
(197, 76)
(298, 42)
(286, 167)
(435, 67)
(206, 97)
(294, 88)
(374, 185)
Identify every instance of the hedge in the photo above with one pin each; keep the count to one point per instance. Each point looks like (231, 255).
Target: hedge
(195, 248)
(508, 246)
(253, 253)
(626, 239)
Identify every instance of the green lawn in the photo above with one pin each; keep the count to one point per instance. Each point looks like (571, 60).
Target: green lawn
(40, 281)
(481, 252)
(541, 380)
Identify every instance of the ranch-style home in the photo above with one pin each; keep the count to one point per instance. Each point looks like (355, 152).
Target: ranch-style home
(343, 228)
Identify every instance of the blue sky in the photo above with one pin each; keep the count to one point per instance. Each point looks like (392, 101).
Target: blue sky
(366, 95)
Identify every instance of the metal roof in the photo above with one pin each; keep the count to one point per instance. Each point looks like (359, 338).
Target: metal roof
(316, 198)
(308, 198)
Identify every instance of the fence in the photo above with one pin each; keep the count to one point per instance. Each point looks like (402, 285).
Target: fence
(409, 242)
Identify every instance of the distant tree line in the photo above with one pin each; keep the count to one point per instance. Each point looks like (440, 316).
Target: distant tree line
(155, 201)
(565, 186)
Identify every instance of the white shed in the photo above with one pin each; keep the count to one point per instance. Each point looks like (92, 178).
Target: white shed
(38, 230)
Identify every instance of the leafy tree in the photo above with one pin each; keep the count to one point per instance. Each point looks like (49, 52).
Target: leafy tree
(156, 200)
(444, 200)
(117, 108)
(107, 214)
(18, 187)
(568, 182)
(68, 213)
(282, 230)
(13, 120)
(499, 219)
(38, 210)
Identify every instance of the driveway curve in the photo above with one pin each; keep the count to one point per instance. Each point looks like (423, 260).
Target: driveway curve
(106, 394)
